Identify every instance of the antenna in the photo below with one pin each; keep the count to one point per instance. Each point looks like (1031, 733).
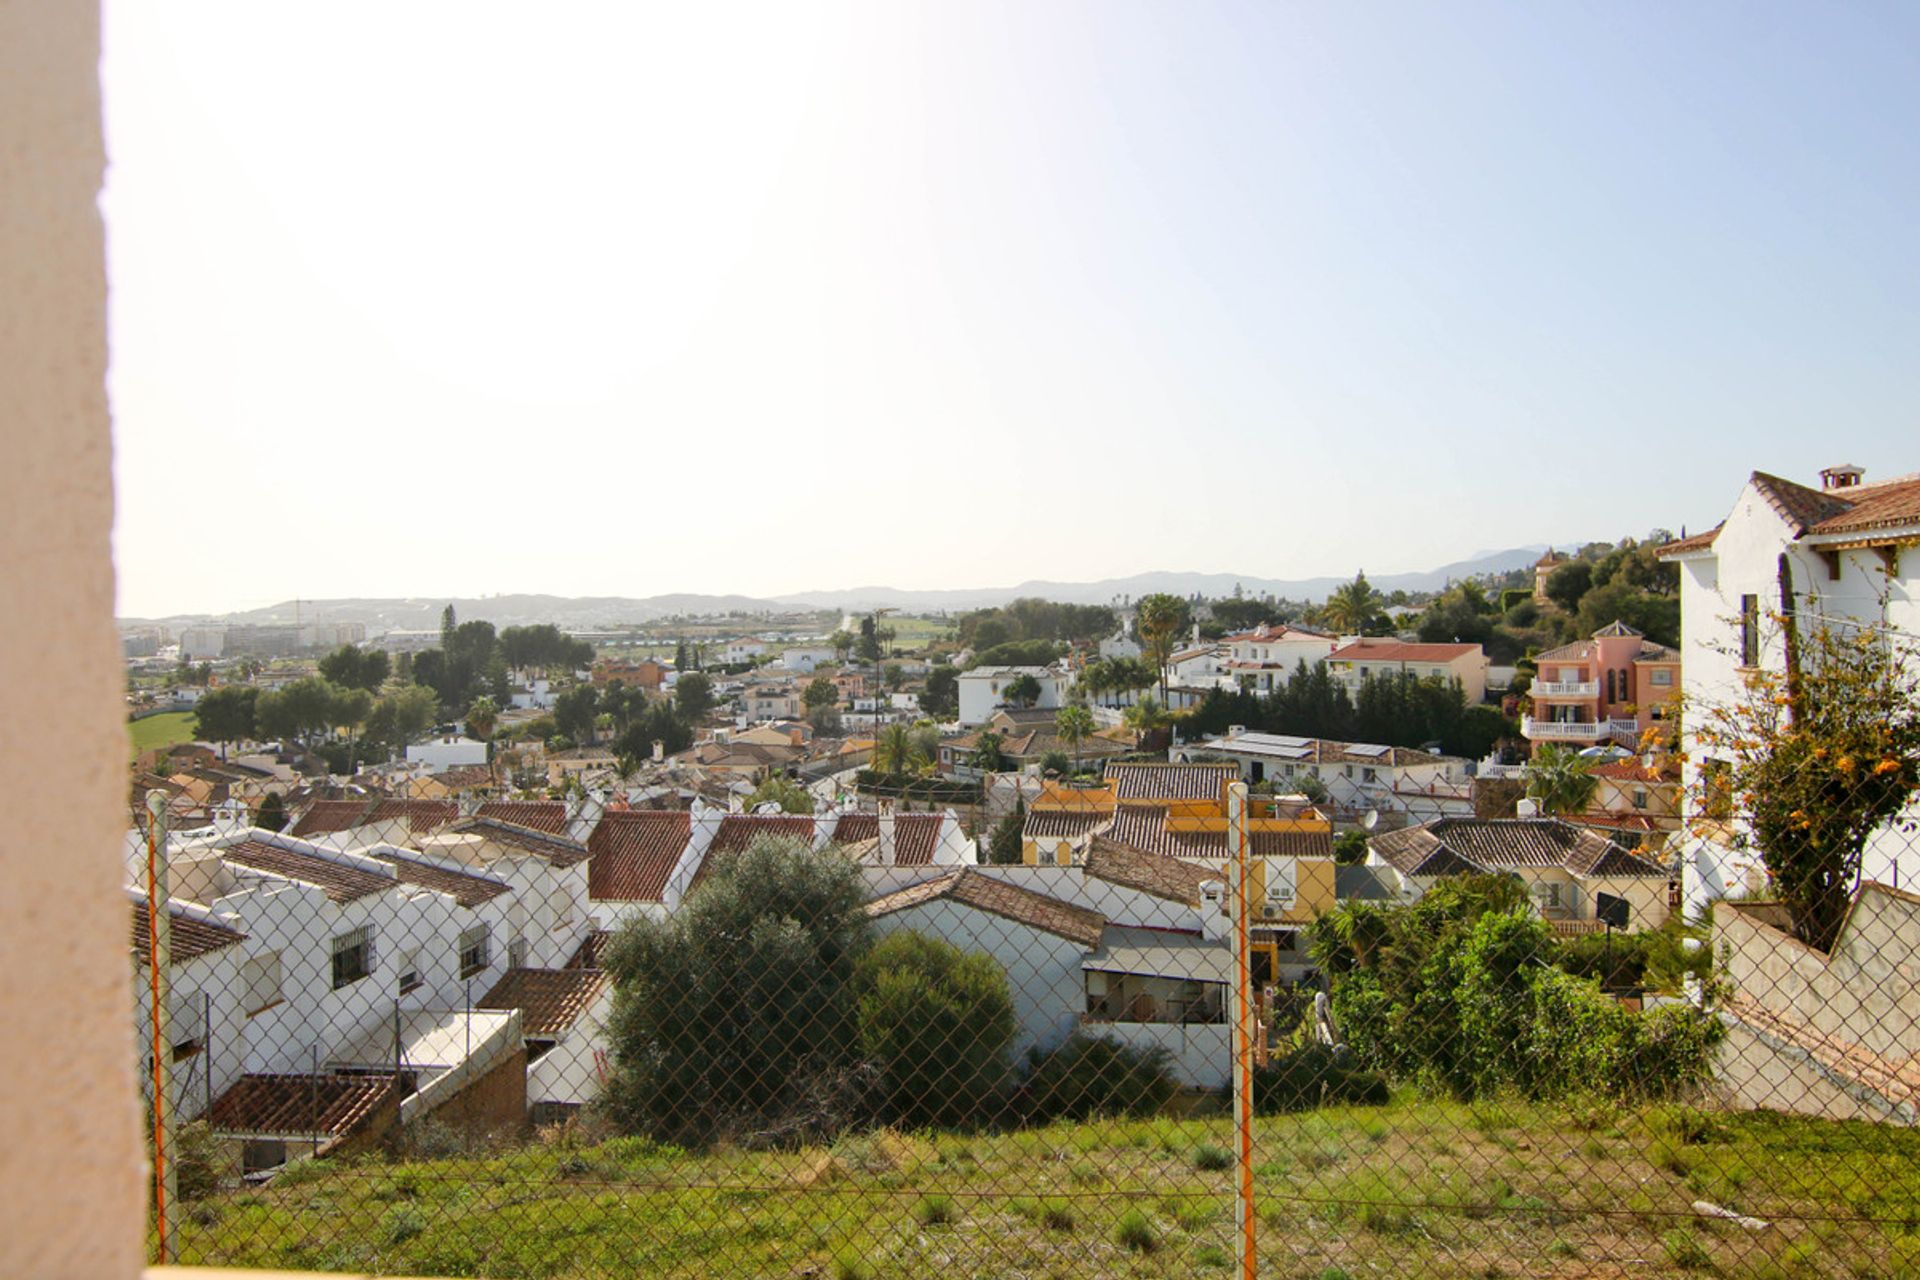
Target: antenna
(1370, 819)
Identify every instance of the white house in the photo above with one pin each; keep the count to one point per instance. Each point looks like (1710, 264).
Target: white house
(805, 658)
(1120, 644)
(742, 650)
(1258, 660)
(1848, 552)
(1357, 775)
(447, 751)
(1359, 660)
(532, 692)
(984, 689)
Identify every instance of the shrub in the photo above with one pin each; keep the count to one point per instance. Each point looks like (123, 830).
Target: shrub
(1315, 1076)
(936, 1023)
(1211, 1159)
(1096, 1076)
(1685, 1251)
(1135, 1231)
(735, 1018)
(934, 1210)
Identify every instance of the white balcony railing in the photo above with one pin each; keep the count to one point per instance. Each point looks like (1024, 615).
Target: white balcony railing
(1565, 689)
(1564, 731)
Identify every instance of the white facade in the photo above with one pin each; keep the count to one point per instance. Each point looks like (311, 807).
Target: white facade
(1737, 575)
(1260, 659)
(983, 690)
(448, 751)
(1357, 775)
(738, 651)
(807, 658)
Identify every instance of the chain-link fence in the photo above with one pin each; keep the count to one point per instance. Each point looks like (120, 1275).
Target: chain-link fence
(1156, 1018)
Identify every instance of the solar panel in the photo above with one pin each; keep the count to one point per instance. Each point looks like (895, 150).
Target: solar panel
(1366, 749)
(1293, 753)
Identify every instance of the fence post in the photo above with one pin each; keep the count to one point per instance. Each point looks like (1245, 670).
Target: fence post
(1241, 877)
(159, 963)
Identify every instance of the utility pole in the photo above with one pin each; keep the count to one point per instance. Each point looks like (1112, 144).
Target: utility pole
(160, 1044)
(1243, 1028)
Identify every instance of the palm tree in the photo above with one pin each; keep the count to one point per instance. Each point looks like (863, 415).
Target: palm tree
(1074, 725)
(1351, 607)
(481, 718)
(1560, 780)
(1160, 617)
(895, 750)
(1144, 716)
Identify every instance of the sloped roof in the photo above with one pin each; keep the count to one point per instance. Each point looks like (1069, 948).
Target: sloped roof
(591, 951)
(1453, 846)
(549, 816)
(1690, 543)
(467, 888)
(1144, 827)
(998, 898)
(1400, 651)
(323, 817)
(301, 1105)
(1135, 781)
(1174, 879)
(1889, 504)
(634, 852)
(915, 835)
(340, 881)
(1063, 824)
(550, 1001)
(1797, 504)
(192, 935)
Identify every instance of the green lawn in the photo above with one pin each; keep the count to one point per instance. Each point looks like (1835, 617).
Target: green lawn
(161, 730)
(1409, 1190)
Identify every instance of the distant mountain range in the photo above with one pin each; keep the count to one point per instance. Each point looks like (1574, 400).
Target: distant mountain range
(419, 613)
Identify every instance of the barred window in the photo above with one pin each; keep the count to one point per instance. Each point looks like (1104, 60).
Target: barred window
(352, 956)
(1749, 631)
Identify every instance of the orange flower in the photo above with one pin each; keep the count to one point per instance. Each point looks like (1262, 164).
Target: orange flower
(1844, 764)
(1885, 767)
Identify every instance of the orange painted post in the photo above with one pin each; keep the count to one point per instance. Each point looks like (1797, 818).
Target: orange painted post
(159, 961)
(1242, 877)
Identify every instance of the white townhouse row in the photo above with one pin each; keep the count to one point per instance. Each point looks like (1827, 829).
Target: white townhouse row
(1358, 776)
(1839, 555)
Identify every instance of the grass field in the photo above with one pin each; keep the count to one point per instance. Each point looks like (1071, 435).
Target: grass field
(1409, 1190)
(161, 730)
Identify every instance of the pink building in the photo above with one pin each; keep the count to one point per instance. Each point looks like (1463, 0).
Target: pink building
(1609, 689)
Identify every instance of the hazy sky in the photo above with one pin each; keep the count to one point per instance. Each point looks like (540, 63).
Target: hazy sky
(416, 299)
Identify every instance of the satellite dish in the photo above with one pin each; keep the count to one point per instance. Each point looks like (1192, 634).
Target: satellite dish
(1370, 819)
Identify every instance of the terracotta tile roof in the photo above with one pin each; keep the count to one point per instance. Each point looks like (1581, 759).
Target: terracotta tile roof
(467, 888)
(998, 898)
(1889, 504)
(550, 1001)
(465, 777)
(634, 852)
(341, 882)
(1401, 651)
(1144, 827)
(560, 850)
(1266, 633)
(1586, 649)
(1174, 879)
(592, 951)
(192, 934)
(323, 817)
(297, 1106)
(549, 816)
(1692, 542)
(1636, 771)
(1451, 846)
(1063, 824)
(1798, 505)
(855, 827)
(915, 838)
(739, 830)
(1170, 781)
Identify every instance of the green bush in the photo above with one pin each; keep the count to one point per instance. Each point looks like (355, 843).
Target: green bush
(1096, 1076)
(735, 1018)
(936, 1023)
(1135, 1231)
(1315, 1076)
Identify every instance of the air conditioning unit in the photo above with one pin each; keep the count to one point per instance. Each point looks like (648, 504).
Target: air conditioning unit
(1272, 910)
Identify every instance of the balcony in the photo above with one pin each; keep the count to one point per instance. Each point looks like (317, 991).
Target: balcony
(1564, 731)
(1565, 689)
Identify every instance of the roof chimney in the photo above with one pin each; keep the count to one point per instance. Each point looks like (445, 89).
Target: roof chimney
(1844, 476)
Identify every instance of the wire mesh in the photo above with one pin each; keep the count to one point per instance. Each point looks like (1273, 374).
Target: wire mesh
(542, 1040)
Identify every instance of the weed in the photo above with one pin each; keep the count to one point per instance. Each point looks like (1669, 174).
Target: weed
(933, 1211)
(1210, 1159)
(1212, 1255)
(848, 1264)
(1196, 1216)
(1562, 1249)
(1135, 1231)
(1685, 1251)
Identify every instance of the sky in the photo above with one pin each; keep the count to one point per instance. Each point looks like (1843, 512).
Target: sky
(623, 299)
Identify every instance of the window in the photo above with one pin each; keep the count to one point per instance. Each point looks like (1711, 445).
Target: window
(186, 1023)
(260, 983)
(1546, 894)
(1610, 689)
(1348, 769)
(1661, 677)
(1367, 775)
(409, 969)
(1749, 631)
(352, 956)
(475, 950)
(517, 954)
(1639, 797)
